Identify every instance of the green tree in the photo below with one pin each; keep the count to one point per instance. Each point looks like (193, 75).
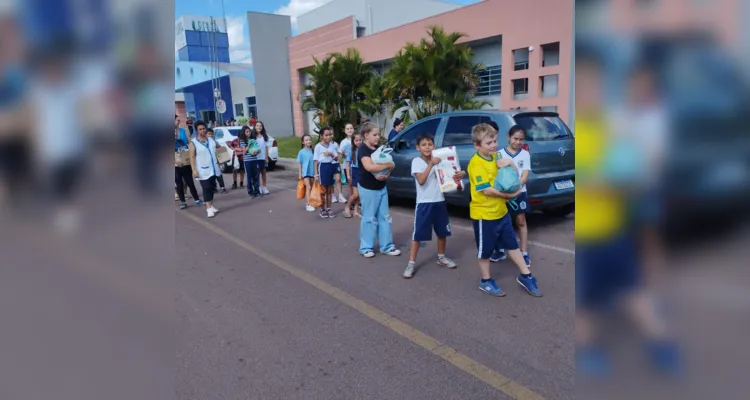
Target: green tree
(336, 88)
(436, 75)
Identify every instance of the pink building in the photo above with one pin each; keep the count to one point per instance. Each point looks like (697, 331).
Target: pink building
(525, 45)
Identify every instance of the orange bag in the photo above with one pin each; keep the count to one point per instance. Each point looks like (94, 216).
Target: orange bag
(301, 192)
(316, 198)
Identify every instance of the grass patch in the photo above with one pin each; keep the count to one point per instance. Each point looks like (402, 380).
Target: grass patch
(288, 146)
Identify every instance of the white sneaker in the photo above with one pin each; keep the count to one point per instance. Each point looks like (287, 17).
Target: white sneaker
(409, 271)
(368, 254)
(210, 213)
(393, 252)
(334, 199)
(342, 199)
(265, 190)
(215, 210)
(310, 208)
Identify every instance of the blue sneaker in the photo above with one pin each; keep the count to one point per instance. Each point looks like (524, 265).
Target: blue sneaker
(490, 287)
(527, 259)
(198, 203)
(530, 285)
(498, 255)
(665, 356)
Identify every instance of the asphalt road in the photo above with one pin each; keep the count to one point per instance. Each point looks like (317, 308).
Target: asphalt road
(275, 303)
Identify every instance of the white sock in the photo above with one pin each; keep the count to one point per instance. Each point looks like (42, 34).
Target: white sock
(441, 256)
(526, 253)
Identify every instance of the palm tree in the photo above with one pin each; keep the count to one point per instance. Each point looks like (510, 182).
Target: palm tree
(336, 86)
(436, 75)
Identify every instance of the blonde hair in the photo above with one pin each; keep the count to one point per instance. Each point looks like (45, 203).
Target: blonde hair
(366, 128)
(481, 132)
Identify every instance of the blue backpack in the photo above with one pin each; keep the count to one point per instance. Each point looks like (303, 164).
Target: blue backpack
(507, 180)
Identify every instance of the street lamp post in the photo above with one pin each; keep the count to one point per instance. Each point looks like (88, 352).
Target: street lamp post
(217, 96)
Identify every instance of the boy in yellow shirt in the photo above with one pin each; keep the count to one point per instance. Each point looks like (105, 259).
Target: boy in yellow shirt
(493, 227)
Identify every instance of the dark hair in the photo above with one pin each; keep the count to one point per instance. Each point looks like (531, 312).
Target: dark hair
(243, 135)
(199, 123)
(175, 116)
(263, 132)
(494, 125)
(210, 130)
(302, 140)
(424, 136)
(515, 129)
(397, 122)
(323, 132)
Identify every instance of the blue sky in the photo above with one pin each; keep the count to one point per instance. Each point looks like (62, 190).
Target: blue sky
(239, 42)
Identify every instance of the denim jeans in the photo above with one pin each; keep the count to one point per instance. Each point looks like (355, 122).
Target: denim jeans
(252, 171)
(375, 217)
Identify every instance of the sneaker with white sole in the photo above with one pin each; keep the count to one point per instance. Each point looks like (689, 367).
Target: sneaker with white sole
(215, 210)
(335, 198)
(309, 208)
(446, 262)
(342, 199)
(392, 252)
(368, 254)
(264, 190)
(409, 271)
(210, 213)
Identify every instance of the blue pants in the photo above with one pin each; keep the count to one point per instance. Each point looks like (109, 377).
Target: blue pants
(252, 171)
(375, 217)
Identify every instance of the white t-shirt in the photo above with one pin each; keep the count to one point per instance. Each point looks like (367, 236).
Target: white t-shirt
(320, 148)
(522, 160)
(429, 192)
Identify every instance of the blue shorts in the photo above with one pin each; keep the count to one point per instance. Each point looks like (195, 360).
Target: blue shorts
(355, 176)
(429, 216)
(336, 168)
(519, 205)
(605, 270)
(327, 171)
(494, 234)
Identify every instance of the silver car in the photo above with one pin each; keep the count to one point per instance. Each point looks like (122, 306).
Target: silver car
(551, 184)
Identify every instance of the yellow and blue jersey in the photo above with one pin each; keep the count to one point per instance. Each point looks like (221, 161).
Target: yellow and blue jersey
(482, 172)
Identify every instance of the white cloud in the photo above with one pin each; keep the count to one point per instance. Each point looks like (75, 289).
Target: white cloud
(295, 8)
(239, 41)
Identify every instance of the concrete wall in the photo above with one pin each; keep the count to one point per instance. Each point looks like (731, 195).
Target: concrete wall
(330, 13)
(242, 88)
(521, 24)
(268, 40)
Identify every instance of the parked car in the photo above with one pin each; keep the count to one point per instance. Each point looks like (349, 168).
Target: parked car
(226, 134)
(551, 184)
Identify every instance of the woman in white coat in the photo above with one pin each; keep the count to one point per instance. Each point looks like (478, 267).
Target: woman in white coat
(205, 165)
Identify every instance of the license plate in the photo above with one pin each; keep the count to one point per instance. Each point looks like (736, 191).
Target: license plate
(564, 184)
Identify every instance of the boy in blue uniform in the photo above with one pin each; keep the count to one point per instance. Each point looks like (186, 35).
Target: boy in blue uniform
(489, 213)
(431, 212)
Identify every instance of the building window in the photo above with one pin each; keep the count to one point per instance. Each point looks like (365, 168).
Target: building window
(489, 81)
(251, 101)
(521, 59)
(239, 110)
(520, 88)
(550, 54)
(548, 84)
(548, 108)
(360, 31)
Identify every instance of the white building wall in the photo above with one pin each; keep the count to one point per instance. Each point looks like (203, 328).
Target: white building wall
(241, 88)
(374, 15)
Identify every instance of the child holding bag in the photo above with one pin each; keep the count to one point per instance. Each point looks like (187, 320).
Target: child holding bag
(326, 158)
(306, 168)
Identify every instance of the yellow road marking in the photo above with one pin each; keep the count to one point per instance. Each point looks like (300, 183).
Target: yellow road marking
(427, 342)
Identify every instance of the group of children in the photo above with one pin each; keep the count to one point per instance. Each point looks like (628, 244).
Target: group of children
(491, 218)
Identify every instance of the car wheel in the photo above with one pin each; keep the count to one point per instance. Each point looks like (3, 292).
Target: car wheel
(271, 165)
(563, 211)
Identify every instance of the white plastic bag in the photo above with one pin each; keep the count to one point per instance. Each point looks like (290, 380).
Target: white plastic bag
(447, 167)
(382, 156)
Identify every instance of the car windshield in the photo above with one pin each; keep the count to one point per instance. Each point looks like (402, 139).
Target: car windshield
(234, 131)
(542, 127)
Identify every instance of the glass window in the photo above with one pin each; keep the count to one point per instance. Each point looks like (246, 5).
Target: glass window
(218, 133)
(489, 81)
(542, 127)
(458, 131)
(408, 139)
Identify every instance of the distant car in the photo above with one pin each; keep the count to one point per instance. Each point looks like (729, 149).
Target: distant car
(226, 134)
(551, 184)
